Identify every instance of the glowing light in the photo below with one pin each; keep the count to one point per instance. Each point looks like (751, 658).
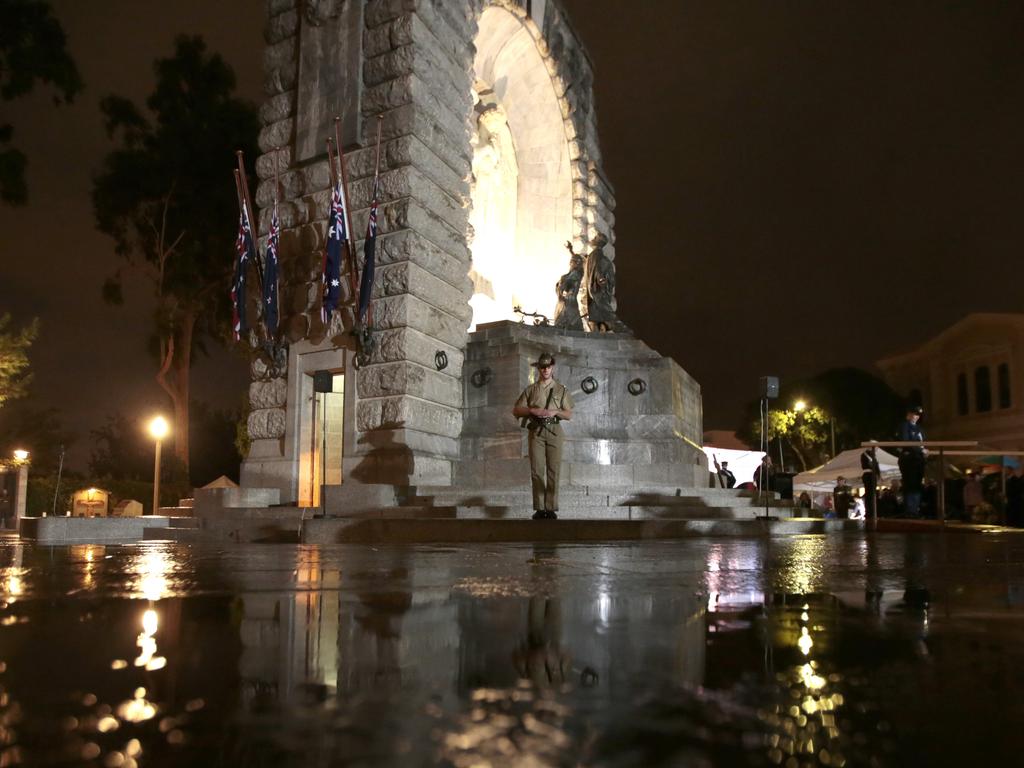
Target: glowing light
(799, 405)
(14, 585)
(20, 455)
(805, 642)
(153, 569)
(158, 428)
(137, 709)
(810, 680)
(147, 643)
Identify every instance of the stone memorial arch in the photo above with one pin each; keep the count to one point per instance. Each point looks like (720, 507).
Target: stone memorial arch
(489, 164)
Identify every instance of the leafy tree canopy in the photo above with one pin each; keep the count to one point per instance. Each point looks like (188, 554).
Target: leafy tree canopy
(14, 363)
(166, 197)
(40, 431)
(33, 48)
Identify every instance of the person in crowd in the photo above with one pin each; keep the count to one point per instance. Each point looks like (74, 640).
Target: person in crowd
(726, 479)
(889, 501)
(842, 498)
(764, 474)
(870, 475)
(1014, 498)
(974, 495)
(912, 460)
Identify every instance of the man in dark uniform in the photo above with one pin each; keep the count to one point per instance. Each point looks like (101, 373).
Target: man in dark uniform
(726, 479)
(541, 406)
(871, 474)
(912, 461)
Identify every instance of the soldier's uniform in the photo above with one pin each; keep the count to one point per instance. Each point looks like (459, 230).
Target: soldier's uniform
(545, 441)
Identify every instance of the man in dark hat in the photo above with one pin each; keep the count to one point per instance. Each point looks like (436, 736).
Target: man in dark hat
(870, 474)
(912, 460)
(541, 406)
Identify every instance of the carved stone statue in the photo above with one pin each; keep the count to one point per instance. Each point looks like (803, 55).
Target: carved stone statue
(567, 311)
(599, 278)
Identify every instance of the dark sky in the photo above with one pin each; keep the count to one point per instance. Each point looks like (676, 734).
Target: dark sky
(799, 185)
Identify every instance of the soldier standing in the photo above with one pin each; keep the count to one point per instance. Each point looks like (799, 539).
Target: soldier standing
(541, 406)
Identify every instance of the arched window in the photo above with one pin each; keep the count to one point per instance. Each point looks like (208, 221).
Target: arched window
(982, 389)
(963, 403)
(1003, 374)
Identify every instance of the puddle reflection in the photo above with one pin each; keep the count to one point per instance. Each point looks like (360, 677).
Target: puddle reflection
(806, 651)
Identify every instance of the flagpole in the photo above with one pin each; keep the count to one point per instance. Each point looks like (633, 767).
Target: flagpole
(248, 212)
(350, 239)
(376, 178)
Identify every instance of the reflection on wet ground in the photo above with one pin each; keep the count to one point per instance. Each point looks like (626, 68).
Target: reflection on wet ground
(817, 650)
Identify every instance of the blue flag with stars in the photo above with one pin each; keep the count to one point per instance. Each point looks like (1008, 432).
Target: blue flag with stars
(336, 238)
(244, 252)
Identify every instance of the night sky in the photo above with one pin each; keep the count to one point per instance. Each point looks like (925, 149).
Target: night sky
(800, 185)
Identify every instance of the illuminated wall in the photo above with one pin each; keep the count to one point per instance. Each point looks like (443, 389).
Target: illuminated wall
(522, 192)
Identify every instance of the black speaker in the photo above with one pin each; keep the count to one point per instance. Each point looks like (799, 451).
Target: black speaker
(770, 387)
(323, 381)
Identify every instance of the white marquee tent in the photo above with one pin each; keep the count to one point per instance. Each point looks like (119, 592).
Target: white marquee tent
(846, 464)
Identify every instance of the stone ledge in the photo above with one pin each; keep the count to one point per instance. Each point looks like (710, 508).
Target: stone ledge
(94, 530)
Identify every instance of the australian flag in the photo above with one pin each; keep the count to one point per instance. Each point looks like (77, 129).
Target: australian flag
(336, 238)
(270, 271)
(244, 250)
(369, 250)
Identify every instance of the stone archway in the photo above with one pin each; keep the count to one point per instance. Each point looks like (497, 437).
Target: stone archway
(522, 190)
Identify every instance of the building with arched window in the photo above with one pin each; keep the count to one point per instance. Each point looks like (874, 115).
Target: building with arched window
(968, 378)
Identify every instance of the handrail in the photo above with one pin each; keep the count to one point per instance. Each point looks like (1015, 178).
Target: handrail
(921, 444)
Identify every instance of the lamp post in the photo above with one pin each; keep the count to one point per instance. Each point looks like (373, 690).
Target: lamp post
(21, 491)
(158, 429)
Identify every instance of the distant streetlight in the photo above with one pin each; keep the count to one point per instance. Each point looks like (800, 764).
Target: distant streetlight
(158, 429)
(20, 455)
(801, 405)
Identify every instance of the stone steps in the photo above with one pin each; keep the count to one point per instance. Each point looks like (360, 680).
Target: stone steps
(592, 497)
(449, 530)
(569, 512)
(252, 524)
(178, 511)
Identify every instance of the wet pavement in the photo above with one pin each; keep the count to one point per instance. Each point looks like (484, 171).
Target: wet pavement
(808, 650)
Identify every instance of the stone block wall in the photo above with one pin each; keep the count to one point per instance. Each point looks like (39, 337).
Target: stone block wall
(415, 71)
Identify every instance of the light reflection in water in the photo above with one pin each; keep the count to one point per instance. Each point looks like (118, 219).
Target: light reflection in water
(151, 583)
(146, 641)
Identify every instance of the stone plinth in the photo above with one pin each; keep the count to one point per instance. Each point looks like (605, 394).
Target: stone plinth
(641, 426)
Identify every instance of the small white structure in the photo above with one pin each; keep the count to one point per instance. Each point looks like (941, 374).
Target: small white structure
(90, 502)
(127, 508)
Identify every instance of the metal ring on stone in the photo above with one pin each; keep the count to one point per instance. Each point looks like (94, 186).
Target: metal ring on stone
(440, 360)
(637, 387)
(589, 385)
(481, 377)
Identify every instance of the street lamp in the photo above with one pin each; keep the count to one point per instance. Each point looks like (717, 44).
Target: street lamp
(20, 455)
(158, 429)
